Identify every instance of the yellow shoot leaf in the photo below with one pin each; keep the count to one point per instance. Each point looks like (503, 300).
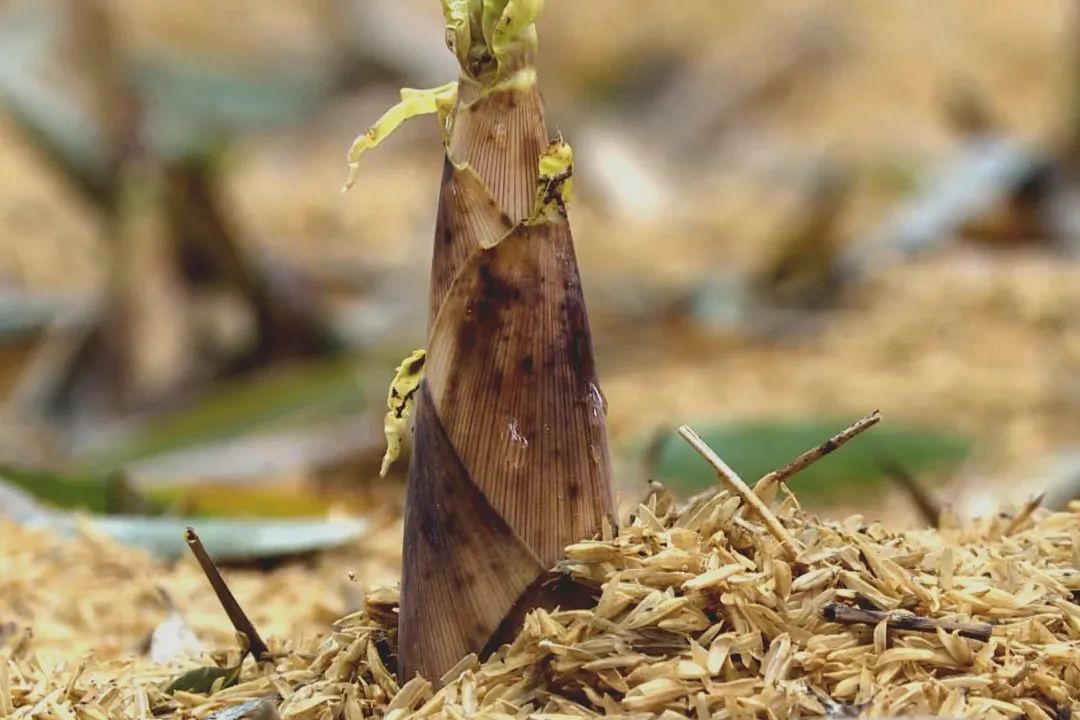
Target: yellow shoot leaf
(520, 80)
(486, 35)
(400, 403)
(459, 26)
(557, 160)
(556, 181)
(513, 27)
(413, 102)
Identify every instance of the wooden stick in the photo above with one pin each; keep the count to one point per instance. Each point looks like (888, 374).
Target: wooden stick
(847, 615)
(733, 481)
(239, 619)
(811, 456)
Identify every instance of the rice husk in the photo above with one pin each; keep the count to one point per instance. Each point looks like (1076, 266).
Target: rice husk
(700, 612)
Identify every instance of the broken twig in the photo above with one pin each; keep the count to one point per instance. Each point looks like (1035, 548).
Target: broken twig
(928, 506)
(736, 483)
(239, 619)
(811, 456)
(846, 615)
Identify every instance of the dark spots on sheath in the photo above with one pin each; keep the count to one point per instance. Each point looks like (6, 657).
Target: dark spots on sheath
(495, 288)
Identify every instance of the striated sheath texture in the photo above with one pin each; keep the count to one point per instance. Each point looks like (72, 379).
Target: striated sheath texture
(510, 460)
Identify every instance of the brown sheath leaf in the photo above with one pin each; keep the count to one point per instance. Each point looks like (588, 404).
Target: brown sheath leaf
(469, 218)
(501, 135)
(463, 567)
(512, 374)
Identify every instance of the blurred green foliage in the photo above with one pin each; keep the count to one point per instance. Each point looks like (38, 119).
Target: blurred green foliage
(753, 449)
(286, 395)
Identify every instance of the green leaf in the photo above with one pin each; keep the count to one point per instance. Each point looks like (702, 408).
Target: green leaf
(754, 449)
(299, 393)
(285, 397)
(74, 490)
(201, 680)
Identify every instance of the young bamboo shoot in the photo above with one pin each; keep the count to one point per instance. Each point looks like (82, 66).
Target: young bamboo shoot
(510, 460)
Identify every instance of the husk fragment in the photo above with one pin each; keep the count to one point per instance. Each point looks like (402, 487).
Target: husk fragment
(727, 644)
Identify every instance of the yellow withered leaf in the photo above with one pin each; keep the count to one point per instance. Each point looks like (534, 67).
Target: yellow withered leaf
(399, 403)
(413, 102)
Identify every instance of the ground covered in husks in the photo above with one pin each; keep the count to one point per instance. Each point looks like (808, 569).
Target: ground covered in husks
(700, 612)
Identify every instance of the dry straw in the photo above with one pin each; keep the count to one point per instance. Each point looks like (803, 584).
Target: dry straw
(698, 611)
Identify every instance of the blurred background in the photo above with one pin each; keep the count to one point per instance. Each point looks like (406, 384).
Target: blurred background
(788, 214)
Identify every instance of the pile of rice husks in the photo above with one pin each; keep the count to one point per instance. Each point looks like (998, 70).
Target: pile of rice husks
(701, 612)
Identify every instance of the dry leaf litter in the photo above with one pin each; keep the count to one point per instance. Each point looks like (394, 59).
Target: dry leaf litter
(701, 612)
